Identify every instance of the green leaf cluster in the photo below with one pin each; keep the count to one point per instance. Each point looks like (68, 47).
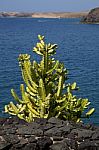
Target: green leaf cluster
(46, 93)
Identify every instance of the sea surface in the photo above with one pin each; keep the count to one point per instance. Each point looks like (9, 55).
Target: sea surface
(78, 49)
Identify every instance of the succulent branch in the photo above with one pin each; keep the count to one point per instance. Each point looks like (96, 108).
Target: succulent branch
(46, 93)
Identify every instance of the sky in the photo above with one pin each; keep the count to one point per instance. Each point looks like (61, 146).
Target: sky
(47, 5)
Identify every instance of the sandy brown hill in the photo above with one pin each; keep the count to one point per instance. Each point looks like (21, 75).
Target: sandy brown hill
(44, 15)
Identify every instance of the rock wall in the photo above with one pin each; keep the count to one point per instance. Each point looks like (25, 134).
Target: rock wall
(43, 134)
(92, 17)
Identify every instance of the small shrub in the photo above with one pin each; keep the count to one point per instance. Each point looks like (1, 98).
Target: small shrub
(46, 93)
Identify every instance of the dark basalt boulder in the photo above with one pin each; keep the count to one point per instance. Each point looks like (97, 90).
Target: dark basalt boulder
(92, 17)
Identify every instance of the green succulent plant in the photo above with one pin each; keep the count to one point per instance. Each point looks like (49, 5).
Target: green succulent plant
(46, 93)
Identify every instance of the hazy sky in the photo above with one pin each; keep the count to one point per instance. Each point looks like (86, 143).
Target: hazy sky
(48, 5)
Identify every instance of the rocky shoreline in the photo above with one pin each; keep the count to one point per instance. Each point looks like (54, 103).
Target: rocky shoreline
(92, 17)
(43, 134)
(44, 15)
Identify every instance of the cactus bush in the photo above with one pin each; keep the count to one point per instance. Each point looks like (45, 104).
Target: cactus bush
(46, 93)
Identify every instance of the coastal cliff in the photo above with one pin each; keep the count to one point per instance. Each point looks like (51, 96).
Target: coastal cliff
(92, 17)
(44, 15)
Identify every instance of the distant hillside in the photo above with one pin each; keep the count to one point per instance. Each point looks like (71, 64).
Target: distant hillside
(92, 17)
(44, 15)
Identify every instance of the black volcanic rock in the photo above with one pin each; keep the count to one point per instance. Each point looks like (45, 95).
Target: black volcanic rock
(92, 17)
(23, 14)
(43, 134)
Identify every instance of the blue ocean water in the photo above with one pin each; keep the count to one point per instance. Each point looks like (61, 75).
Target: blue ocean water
(78, 49)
